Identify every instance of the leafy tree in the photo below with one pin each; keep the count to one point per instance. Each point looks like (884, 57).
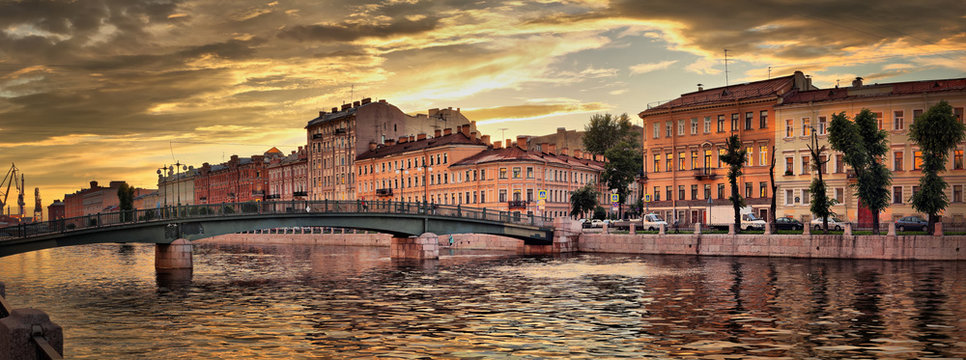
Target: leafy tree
(599, 212)
(821, 205)
(735, 156)
(583, 200)
(604, 131)
(936, 132)
(624, 162)
(125, 198)
(862, 145)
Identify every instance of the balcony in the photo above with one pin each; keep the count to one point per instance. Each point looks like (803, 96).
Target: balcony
(517, 205)
(272, 196)
(299, 193)
(384, 192)
(258, 192)
(316, 136)
(340, 131)
(705, 173)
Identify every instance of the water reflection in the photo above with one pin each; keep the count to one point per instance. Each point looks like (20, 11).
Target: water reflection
(278, 301)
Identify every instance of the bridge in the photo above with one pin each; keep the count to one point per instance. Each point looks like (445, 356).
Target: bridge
(165, 225)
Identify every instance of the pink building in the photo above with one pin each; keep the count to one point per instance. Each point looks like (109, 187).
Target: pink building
(288, 177)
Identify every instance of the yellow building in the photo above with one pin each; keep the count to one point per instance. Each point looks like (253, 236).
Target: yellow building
(896, 105)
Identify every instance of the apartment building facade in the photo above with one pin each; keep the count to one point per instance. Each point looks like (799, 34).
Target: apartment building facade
(896, 105)
(288, 177)
(684, 139)
(336, 138)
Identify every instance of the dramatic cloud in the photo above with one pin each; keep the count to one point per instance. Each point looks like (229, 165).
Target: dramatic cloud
(648, 67)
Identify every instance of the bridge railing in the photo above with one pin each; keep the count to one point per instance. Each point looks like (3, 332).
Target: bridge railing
(166, 214)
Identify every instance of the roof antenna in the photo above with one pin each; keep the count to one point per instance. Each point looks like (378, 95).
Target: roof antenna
(726, 67)
(769, 72)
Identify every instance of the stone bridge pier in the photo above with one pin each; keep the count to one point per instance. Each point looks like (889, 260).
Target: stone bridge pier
(173, 256)
(566, 233)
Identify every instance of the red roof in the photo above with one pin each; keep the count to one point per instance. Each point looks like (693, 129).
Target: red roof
(451, 139)
(877, 90)
(754, 90)
(516, 154)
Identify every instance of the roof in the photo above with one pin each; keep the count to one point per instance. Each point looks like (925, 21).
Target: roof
(754, 90)
(457, 138)
(274, 151)
(877, 90)
(516, 154)
(337, 115)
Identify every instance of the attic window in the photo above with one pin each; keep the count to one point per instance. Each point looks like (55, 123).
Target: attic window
(936, 84)
(831, 92)
(724, 92)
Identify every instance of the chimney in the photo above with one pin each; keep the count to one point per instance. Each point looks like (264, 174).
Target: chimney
(412, 138)
(233, 158)
(383, 101)
(497, 145)
(485, 139)
(437, 133)
(335, 110)
(321, 113)
(346, 106)
(373, 145)
(402, 139)
(551, 148)
(599, 158)
(508, 143)
(366, 101)
(93, 184)
(390, 142)
(421, 136)
(700, 87)
(857, 82)
(565, 152)
(355, 104)
(447, 131)
(522, 142)
(465, 129)
(578, 154)
(473, 135)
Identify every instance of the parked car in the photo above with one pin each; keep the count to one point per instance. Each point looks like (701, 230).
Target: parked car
(787, 223)
(834, 223)
(598, 223)
(913, 223)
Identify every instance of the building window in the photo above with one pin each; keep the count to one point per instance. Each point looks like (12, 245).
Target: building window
(762, 189)
(502, 195)
(823, 160)
(445, 158)
(917, 160)
(897, 120)
(789, 128)
(657, 163)
(897, 161)
(806, 126)
(694, 192)
(916, 114)
(707, 191)
(669, 163)
(681, 127)
(762, 155)
(667, 192)
(959, 113)
(789, 165)
(529, 195)
(763, 119)
(749, 156)
(806, 197)
(529, 172)
(839, 164)
(822, 122)
(482, 175)
(681, 192)
(878, 117)
(897, 194)
(957, 193)
(721, 119)
(707, 124)
(694, 126)
(657, 194)
(748, 193)
(839, 195)
(516, 173)
(502, 173)
(657, 130)
(668, 129)
(721, 191)
(957, 159)
(694, 160)
(734, 121)
(789, 196)
(681, 160)
(805, 165)
(748, 116)
(482, 197)
(721, 153)
(707, 159)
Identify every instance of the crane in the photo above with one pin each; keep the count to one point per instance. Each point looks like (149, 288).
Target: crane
(11, 179)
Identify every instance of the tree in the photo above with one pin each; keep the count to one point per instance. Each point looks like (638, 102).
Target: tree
(735, 156)
(774, 193)
(583, 200)
(624, 162)
(821, 205)
(599, 212)
(125, 198)
(604, 131)
(936, 132)
(862, 145)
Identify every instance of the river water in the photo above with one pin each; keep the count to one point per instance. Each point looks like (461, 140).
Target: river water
(353, 302)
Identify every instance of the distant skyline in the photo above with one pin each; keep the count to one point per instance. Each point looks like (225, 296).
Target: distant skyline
(114, 89)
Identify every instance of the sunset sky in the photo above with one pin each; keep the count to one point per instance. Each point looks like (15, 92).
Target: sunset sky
(114, 89)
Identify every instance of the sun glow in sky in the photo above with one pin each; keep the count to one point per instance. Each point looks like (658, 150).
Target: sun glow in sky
(114, 89)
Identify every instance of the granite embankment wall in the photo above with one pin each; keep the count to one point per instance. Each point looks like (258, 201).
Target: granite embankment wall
(460, 241)
(918, 247)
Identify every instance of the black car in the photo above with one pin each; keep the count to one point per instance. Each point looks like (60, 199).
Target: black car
(913, 223)
(787, 223)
